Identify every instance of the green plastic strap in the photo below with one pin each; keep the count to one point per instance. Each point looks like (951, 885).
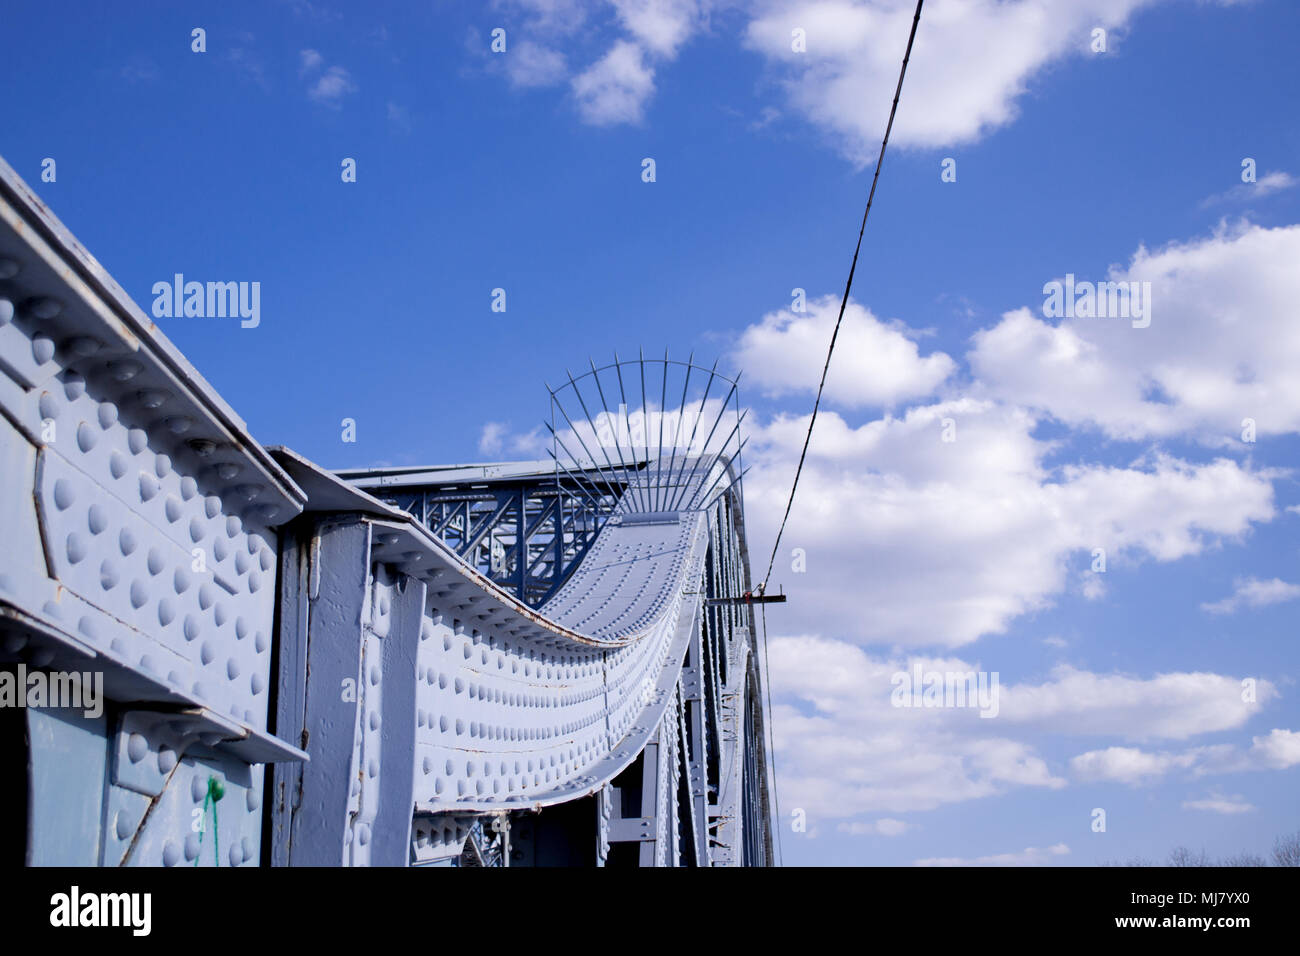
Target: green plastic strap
(215, 792)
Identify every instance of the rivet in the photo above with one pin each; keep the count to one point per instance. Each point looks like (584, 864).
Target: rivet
(42, 349)
(124, 370)
(96, 519)
(84, 346)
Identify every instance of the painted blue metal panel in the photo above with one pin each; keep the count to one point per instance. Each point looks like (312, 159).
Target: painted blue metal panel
(67, 754)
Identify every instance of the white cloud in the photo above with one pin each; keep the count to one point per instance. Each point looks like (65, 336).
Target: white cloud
(247, 63)
(1030, 856)
(314, 11)
(497, 438)
(834, 771)
(1266, 185)
(972, 62)
(908, 540)
(491, 439)
(616, 87)
(550, 16)
(661, 25)
(959, 538)
(1218, 803)
(1279, 750)
(1222, 346)
(1127, 765)
(964, 536)
(399, 116)
(844, 750)
(1176, 706)
(330, 86)
(530, 64)
(875, 363)
(1253, 592)
(309, 61)
(885, 826)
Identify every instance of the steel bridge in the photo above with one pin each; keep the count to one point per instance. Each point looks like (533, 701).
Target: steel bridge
(531, 663)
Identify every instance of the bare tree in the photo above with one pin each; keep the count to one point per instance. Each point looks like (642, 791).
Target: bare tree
(1181, 856)
(1131, 861)
(1286, 851)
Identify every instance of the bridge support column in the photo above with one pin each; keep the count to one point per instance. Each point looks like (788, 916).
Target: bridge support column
(695, 746)
(349, 632)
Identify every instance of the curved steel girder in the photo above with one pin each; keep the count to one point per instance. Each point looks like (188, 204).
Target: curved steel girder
(647, 656)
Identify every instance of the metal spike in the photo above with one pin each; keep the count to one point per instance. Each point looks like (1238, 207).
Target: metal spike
(735, 429)
(576, 479)
(704, 502)
(612, 493)
(690, 442)
(705, 447)
(659, 456)
(578, 392)
(618, 447)
(618, 367)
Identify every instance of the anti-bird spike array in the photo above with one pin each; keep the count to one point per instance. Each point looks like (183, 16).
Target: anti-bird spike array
(650, 459)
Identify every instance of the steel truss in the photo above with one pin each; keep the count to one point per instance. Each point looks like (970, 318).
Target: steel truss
(525, 533)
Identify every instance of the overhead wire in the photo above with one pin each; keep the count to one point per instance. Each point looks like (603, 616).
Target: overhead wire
(893, 110)
(848, 286)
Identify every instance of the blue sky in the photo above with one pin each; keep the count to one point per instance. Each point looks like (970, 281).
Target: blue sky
(522, 170)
